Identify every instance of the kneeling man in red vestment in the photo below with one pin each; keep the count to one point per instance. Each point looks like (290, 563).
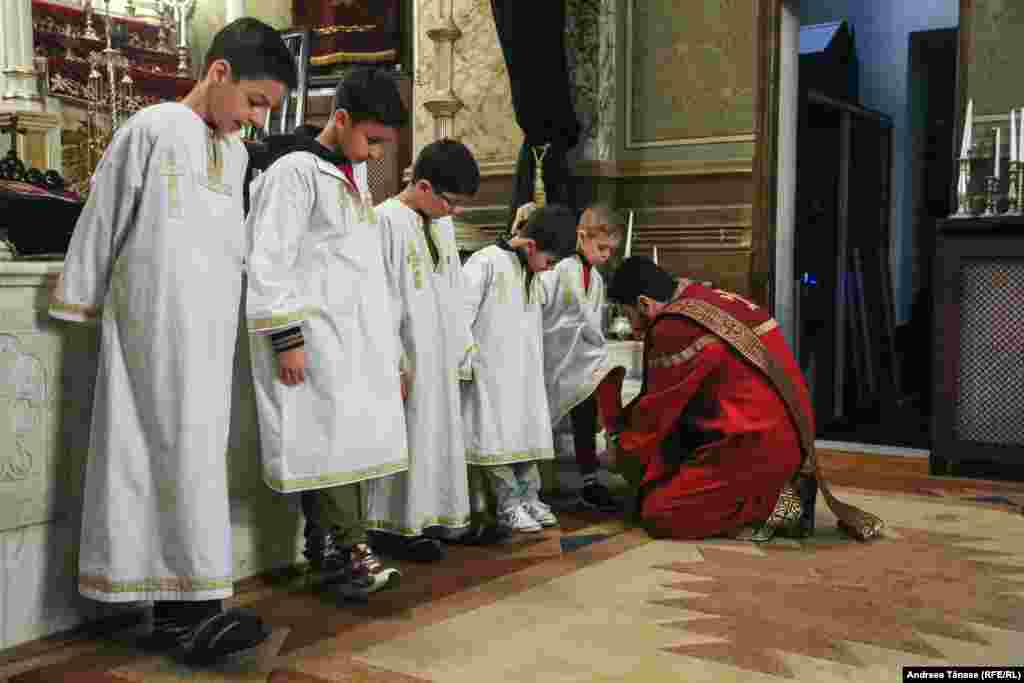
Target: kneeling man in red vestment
(709, 443)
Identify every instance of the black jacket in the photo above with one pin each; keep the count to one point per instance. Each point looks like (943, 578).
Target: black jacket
(263, 154)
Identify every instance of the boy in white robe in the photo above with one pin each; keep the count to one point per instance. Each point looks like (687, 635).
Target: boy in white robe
(575, 350)
(324, 350)
(505, 409)
(424, 273)
(156, 258)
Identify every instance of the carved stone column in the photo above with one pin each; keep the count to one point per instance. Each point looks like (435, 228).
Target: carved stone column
(444, 104)
(21, 90)
(39, 145)
(233, 9)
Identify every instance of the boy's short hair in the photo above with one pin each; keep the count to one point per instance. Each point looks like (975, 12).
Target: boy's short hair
(255, 51)
(605, 222)
(449, 166)
(640, 276)
(370, 94)
(553, 228)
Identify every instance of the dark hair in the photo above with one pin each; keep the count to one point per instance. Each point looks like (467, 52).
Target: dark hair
(553, 228)
(449, 166)
(640, 276)
(370, 94)
(254, 51)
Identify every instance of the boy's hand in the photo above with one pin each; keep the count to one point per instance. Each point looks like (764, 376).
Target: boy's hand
(292, 365)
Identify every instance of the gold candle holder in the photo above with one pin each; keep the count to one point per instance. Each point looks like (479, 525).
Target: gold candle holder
(1013, 196)
(963, 196)
(991, 185)
(1020, 186)
(539, 194)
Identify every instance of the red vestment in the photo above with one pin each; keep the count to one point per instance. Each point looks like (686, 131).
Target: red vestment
(712, 433)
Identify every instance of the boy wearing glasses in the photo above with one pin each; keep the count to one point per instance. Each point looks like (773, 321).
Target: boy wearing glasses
(409, 512)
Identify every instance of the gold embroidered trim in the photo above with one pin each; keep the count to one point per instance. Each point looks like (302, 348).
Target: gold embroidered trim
(862, 524)
(214, 159)
(79, 313)
(415, 262)
(170, 170)
(175, 584)
(270, 324)
(508, 458)
(684, 356)
(667, 360)
(331, 29)
(337, 478)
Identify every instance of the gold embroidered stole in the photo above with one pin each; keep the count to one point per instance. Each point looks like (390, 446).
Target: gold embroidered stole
(740, 337)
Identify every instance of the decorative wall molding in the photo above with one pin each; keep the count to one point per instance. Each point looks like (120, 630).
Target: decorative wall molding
(678, 167)
(690, 50)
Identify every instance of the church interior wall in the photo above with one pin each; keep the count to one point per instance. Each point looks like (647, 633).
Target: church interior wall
(883, 46)
(685, 118)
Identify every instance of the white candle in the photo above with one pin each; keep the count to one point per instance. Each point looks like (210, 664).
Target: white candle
(655, 255)
(1020, 135)
(965, 148)
(629, 236)
(1013, 136)
(996, 155)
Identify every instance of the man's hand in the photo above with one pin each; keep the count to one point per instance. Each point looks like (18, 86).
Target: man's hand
(292, 366)
(406, 384)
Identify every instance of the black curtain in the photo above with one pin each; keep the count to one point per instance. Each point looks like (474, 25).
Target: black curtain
(532, 37)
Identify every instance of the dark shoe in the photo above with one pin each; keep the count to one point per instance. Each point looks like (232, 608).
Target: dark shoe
(326, 556)
(410, 548)
(210, 640)
(483, 534)
(365, 574)
(598, 497)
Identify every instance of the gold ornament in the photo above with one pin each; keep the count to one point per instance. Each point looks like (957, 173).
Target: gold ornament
(539, 195)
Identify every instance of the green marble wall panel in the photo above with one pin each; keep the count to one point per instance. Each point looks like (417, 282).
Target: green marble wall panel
(690, 72)
(994, 74)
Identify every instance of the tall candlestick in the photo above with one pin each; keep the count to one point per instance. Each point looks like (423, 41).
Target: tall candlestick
(996, 154)
(629, 236)
(655, 255)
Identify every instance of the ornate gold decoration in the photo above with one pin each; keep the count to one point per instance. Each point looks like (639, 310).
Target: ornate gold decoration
(540, 196)
(415, 262)
(343, 28)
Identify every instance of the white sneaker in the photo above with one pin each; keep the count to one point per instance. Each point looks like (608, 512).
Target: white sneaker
(518, 519)
(541, 512)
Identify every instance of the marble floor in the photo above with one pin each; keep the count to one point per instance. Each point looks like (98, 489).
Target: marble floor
(597, 601)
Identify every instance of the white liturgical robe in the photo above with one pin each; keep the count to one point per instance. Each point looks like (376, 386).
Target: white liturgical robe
(505, 409)
(156, 257)
(427, 302)
(575, 351)
(315, 262)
